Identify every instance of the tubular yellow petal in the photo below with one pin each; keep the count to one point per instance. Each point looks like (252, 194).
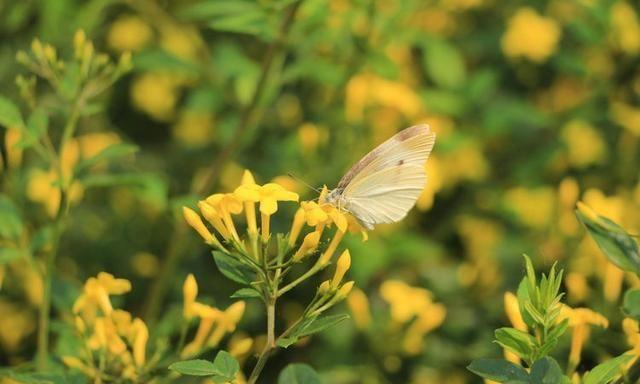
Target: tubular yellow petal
(250, 212)
(309, 244)
(512, 310)
(268, 206)
(194, 220)
(140, 342)
(189, 293)
(296, 226)
(343, 265)
(344, 291)
(214, 218)
(264, 227)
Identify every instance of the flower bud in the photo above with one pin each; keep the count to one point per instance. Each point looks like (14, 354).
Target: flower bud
(343, 265)
(309, 244)
(344, 291)
(194, 220)
(324, 288)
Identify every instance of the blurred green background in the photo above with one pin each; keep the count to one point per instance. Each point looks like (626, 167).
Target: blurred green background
(535, 104)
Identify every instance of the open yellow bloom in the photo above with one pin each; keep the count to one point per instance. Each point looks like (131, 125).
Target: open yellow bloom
(226, 204)
(249, 193)
(405, 301)
(189, 293)
(270, 194)
(531, 35)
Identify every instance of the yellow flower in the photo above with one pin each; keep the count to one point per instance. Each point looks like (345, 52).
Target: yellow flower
(96, 293)
(189, 294)
(428, 319)
(140, 339)
(344, 290)
(343, 265)
(632, 331)
(534, 207)
(366, 89)
(580, 319)
(194, 220)
(359, 306)
(249, 193)
(577, 287)
(626, 115)
(128, 33)
(426, 199)
(226, 204)
(512, 308)
(585, 145)
(270, 194)
(531, 36)
(625, 27)
(182, 42)
(309, 244)
(310, 137)
(155, 94)
(406, 301)
(12, 137)
(194, 129)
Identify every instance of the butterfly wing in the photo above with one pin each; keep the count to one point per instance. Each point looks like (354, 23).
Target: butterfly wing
(388, 184)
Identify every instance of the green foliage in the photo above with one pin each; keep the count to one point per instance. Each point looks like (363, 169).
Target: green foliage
(614, 241)
(631, 303)
(604, 373)
(298, 374)
(309, 326)
(223, 369)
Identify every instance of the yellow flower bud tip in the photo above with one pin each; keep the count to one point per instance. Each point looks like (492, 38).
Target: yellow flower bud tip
(342, 266)
(587, 211)
(247, 178)
(189, 292)
(344, 291)
(194, 220)
(324, 288)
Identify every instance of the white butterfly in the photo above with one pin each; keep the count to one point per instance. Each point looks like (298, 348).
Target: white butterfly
(384, 185)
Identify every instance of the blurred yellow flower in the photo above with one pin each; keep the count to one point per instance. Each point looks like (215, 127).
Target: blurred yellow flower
(434, 184)
(530, 35)
(145, 264)
(194, 128)
(406, 302)
(580, 319)
(627, 115)
(585, 145)
(466, 162)
(12, 137)
(568, 193)
(311, 136)
(16, 324)
(632, 332)
(182, 42)
(625, 29)
(612, 207)
(358, 304)
(128, 33)
(155, 94)
(577, 286)
(534, 207)
(366, 89)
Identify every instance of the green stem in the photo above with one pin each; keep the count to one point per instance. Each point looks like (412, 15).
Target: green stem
(270, 345)
(45, 306)
(299, 280)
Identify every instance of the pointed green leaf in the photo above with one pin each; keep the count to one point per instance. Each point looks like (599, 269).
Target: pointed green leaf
(195, 368)
(546, 371)
(607, 371)
(10, 116)
(226, 365)
(498, 370)
(233, 269)
(631, 303)
(310, 326)
(613, 241)
(246, 293)
(516, 341)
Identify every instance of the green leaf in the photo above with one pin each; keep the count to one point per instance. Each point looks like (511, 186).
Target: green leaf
(195, 368)
(308, 327)
(10, 220)
(607, 371)
(7, 255)
(631, 303)
(112, 152)
(10, 116)
(226, 366)
(614, 241)
(36, 127)
(444, 64)
(233, 269)
(298, 374)
(246, 293)
(499, 370)
(546, 371)
(210, 9)
(519, 342)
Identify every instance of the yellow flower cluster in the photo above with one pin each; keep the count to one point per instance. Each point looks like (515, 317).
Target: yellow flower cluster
(531, 36)
(408, 303)
(219, 210)
(214, 324)
(114, 342)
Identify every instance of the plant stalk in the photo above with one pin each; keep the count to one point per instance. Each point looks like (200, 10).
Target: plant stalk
(270, 345)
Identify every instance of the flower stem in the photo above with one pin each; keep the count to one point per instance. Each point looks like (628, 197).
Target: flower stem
(270, 345)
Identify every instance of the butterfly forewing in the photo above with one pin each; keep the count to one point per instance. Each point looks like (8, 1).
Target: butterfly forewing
(385, 184)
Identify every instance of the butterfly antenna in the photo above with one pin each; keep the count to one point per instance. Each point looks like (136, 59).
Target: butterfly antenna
(303, 182)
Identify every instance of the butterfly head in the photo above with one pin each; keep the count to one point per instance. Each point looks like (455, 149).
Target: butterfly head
(335, 197)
